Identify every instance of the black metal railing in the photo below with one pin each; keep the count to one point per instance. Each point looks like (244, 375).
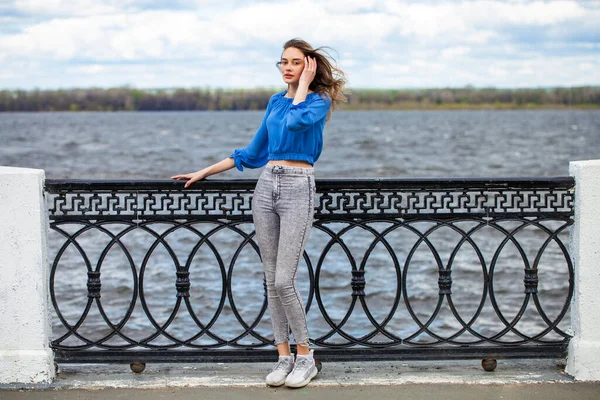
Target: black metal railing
(394, 269)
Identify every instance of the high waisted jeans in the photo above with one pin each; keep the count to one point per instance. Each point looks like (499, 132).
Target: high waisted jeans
(283, 208)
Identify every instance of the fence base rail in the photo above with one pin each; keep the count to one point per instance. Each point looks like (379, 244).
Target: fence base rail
(400, 353)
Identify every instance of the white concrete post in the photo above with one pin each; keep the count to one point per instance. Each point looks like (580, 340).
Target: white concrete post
(25, 355)
(583, 362)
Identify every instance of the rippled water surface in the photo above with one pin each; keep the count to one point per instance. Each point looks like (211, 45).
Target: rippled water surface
(357, 144)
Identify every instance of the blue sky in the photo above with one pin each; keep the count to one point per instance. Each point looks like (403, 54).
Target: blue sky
(235, 44)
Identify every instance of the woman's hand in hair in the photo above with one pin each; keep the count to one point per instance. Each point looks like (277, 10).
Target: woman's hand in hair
(309, 71)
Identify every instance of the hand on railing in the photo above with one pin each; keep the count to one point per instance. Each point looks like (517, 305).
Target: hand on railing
(191, 177)
(221, 166)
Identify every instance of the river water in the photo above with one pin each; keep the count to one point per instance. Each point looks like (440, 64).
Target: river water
(407, 144)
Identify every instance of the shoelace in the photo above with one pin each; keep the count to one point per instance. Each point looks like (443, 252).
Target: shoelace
(281, 365)
(302, 363)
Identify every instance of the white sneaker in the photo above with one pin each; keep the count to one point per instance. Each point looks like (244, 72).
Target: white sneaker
(303, 372)
(284, 366)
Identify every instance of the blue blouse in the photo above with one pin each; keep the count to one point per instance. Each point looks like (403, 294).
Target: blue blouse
(287, 132)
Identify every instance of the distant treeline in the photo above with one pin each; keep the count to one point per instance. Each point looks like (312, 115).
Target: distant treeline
(129, 99)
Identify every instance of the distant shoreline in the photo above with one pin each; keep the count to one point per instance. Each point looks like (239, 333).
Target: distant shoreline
(130, 99)
(458, 107)
(482, 107)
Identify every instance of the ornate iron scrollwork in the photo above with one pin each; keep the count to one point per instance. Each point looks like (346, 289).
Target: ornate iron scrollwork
(385, 230)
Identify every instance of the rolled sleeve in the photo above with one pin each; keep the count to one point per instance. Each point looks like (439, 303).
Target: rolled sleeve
(256, 154)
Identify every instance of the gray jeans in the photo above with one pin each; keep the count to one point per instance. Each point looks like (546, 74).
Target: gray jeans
(283, 208)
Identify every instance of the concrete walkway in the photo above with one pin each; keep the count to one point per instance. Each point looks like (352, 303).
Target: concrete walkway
(546, 391)
(512, 379)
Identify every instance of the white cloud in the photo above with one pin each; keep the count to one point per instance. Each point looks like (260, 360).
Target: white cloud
(232, 43)
(475, 21)
(587, 45)
(425, 21)
(390, 69)
(526, 71)
(496, 72)
(535, 13)
(181, 34)
(456, 51)
(349, 6)
(66, 7)
(87, 69)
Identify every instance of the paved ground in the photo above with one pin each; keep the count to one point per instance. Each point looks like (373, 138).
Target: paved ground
(465, 380)
(546, 391)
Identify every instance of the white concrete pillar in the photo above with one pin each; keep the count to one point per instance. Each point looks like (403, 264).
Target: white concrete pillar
(583, 362)
(25, 355)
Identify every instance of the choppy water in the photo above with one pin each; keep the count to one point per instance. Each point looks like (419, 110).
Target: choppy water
(410, 144)
(357, 144)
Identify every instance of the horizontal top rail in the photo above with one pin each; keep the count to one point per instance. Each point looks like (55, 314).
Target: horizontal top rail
(56, 185)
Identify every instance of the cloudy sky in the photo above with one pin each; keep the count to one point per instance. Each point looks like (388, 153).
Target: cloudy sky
(235, 44)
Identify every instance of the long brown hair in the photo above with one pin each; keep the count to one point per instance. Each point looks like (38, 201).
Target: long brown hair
(328, 78)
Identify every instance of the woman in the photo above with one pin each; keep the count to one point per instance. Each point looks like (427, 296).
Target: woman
(289, 142)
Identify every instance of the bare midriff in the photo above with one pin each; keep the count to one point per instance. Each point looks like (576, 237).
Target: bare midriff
(291, 163)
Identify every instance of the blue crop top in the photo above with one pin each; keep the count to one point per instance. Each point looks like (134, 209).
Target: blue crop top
(287, 132)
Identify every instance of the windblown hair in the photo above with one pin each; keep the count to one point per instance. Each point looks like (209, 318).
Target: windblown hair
(328, 79)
